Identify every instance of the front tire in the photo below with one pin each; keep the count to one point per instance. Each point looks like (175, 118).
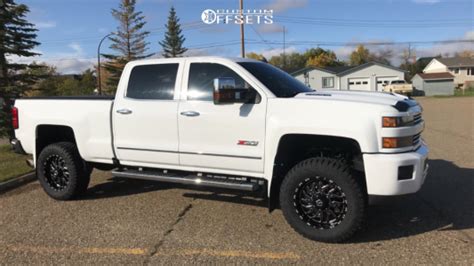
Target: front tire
(322, 201)
(61, 171)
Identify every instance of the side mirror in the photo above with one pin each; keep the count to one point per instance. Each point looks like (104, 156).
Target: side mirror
(226, 92)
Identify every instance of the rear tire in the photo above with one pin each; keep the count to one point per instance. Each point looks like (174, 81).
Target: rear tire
(62, 172)
(322, 201)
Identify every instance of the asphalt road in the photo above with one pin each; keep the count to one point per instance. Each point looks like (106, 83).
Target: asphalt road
(139, 222)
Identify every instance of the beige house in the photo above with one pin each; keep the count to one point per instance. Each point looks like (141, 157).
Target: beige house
(462, 68)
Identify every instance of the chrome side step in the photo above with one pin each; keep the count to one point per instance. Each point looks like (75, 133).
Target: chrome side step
(191, 179)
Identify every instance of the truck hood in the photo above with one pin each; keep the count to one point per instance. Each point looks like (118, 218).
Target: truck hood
(382, 98)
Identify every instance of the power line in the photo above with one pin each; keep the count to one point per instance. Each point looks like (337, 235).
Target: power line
(261, 37)
(373, 23)
(376, 21)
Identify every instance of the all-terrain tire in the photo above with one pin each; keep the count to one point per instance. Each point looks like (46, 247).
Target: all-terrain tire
(61, 171)
(323, 187)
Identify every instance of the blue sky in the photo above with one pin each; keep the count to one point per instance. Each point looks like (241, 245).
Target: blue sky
(70, 30)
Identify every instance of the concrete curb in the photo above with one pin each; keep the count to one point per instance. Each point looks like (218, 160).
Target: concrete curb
(17, 182)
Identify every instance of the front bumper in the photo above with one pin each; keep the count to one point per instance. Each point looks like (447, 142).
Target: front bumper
(16, 146)
(382, 172)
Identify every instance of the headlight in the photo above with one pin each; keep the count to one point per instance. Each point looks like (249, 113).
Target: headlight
(397, 121)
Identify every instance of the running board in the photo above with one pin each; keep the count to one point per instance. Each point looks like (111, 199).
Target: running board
(192, 179)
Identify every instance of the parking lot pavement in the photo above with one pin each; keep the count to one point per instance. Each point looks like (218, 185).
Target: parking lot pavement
(139, 222)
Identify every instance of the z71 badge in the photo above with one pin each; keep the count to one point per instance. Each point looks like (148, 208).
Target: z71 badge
(247, 142)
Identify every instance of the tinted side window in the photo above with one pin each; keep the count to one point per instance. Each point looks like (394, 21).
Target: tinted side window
(201, 80)
(152, 82)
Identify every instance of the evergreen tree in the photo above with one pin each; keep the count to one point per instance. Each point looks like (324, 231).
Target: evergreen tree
(128, 41)
(173, 42)
(17, 37)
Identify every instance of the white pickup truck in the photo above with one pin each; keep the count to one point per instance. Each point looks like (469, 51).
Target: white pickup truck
(234, 124)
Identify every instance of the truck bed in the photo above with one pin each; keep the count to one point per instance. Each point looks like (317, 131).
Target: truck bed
(88, 116)
(85, 97)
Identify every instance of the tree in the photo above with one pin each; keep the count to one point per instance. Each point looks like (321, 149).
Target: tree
(321, 58)
(289, 62)
(128, 41)
(173, 43)
(383, 56)
(256, 56)
(18, 38)
(360, 56)
(465, 53)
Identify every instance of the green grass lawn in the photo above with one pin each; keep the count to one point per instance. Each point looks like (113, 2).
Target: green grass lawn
(12, 164)
(458, 93)
(468, 92)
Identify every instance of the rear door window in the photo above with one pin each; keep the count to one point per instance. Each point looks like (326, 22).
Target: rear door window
(152, 82)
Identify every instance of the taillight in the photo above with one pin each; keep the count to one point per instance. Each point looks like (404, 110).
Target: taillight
(15, 121)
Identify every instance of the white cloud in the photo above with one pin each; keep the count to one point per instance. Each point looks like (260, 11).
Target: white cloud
(72, 62)
(284, 5)
(426, 1)
(268, 53)
(72, 65)
(45, 24)
(77, 48)
(196, 52)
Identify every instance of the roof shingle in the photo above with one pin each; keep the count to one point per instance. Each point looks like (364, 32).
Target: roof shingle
(440, 75)
(457, 61)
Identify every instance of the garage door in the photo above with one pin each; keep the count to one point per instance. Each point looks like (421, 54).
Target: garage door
(359, 84)
(384, 80)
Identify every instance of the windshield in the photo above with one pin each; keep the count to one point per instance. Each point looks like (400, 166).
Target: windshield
(398, 82)
(277, 81)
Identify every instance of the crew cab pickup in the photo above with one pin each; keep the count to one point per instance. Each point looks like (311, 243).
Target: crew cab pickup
(234, 124)
(398, 86)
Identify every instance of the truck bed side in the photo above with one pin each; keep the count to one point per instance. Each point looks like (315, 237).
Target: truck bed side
(87, 117)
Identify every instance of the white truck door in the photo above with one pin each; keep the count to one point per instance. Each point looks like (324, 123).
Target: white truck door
(144, 115)
(224, 136)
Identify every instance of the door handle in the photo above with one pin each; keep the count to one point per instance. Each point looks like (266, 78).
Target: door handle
(124, 111)
(190, 113)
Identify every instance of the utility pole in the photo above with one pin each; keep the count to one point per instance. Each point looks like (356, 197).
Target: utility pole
(242, 37)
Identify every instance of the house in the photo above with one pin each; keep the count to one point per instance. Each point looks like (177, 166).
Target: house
(430, 84)
(461, 67)
(369, 76)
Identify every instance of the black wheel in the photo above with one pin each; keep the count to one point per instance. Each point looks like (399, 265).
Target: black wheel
(61, 171)
(322, 201)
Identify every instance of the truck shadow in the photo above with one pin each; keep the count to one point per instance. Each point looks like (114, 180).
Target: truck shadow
(445, 203)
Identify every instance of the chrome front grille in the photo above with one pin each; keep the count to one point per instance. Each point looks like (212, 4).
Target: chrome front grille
(416, 139)
(417, 119)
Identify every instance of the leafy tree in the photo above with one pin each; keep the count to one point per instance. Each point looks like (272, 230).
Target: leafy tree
(128, 41)
(54, 84)
(360, 56)
(173, 43)
(256, 56)
(321, 58)
(289, 63)
(465, 53)
(18, 38)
